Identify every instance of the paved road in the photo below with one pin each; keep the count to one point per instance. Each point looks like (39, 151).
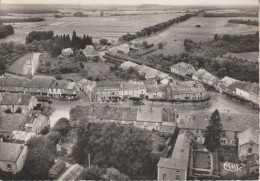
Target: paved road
(62, 108)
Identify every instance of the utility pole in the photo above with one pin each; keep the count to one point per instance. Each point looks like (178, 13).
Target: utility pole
(88, 160)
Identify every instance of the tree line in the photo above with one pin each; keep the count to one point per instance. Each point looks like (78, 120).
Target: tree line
(59, 42)
(155, 28)
(6, 30)
(34, 19)
(247, 22)
(230, 14)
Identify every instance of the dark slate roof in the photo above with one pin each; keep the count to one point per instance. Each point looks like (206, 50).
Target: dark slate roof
(187, 87)
(147, 114)
(41, 81)
(57, 168)
(180, 155)
(10, 122)
(108, 85)
(230, 121)
(59, 84)
(16, 99)
(153, 88)
(10, 81)
(133, 85)
(10, 151)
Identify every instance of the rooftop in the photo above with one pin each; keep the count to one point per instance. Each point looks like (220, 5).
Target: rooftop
(230, 121)
(21, 135)
(16, 99)
(73, 173)
(10, 122)
(133, 85)
(108, 85)
(155, 88)
(128, 64)
(228, 80)
(250, 134)
(41, 81)
(184, 68)
(10, 81)
(180, 154)
(10, 151)
(59, 84)
(186, 87)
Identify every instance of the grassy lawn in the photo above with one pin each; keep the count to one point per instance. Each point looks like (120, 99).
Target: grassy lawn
(98, 69)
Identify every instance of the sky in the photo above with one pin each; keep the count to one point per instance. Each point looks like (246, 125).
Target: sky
(136, 2)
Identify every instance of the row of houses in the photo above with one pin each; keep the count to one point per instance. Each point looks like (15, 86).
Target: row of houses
(103, 91)
(151, 118)
(148, 72)
(39, 85)
(246, 90)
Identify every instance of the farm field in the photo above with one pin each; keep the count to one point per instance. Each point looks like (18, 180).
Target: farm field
(97, 27)
(250, 56)
(99, 69)
(176, 34)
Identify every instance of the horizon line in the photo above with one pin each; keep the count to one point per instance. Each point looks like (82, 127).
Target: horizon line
(242, 4)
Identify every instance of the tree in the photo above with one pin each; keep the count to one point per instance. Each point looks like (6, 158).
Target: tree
(40, 157)
(114, 174)
(123, 147)
(74, 39)
(103, 41)
(213, 132)
(62, 126)
(45, 130)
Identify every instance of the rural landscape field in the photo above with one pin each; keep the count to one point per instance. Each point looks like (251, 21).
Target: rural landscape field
(129, 90)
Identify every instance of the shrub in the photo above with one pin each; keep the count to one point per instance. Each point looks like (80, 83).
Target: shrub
(161, 147)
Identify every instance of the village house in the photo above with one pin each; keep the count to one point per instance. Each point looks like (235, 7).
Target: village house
(205, 77)
(133, 89)
(12, 157)
(39, 85)
(151, 118)
(248, 143)
(127, 64)
(13, 84)
(90, 52)
(155, 91)
(188, 90)
(161, 75)
(233, 125)
(125, 48)
(34, 122)
(58, 88)
(223, 83)
(88, 87)
(17, 103)
(9, 123)
(183, 69)
(147, 72)
(246, 90)
(176, 167)
(106, 91)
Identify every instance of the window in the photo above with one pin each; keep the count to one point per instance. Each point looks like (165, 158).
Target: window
(250, 150)
(9, 166)
(223, 142)
(164, 176)
(178, 175)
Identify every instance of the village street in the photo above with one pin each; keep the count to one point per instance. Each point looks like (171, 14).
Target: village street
(218, 101)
